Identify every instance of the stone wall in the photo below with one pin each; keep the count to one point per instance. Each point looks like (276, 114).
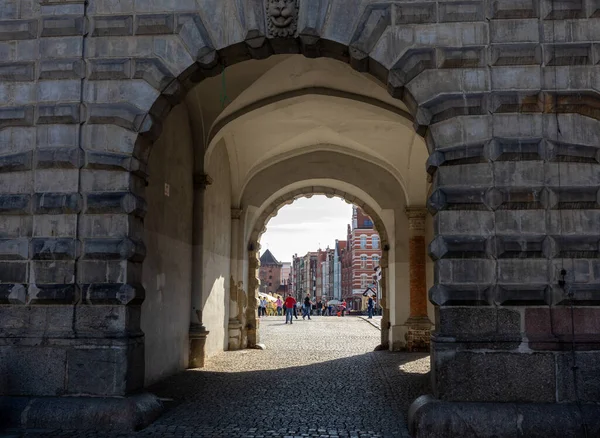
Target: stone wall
(167, 268)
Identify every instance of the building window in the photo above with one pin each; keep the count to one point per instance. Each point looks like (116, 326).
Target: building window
(375, 242)
(368, 223)
(375, 261)
(364, 281)
(363, 242)
(363, 261)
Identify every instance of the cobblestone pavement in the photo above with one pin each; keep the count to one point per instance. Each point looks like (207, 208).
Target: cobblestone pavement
(317, 378)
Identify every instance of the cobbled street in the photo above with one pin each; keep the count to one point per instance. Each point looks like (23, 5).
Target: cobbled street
(317, 378)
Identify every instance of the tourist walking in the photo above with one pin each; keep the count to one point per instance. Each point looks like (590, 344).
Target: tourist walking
(344, 307)
(307, 306)
(278, 303)
(370, 305)
(290, 305)
(263, 306)
(319, 308)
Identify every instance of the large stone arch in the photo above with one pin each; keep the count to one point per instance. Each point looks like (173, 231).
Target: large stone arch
(504, 95)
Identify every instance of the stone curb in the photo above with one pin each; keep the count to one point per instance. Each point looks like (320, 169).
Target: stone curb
(364, 318)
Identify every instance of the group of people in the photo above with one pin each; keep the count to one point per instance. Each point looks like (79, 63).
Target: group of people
(290, 306)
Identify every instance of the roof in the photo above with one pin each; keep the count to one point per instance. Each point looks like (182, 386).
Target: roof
(268, 259)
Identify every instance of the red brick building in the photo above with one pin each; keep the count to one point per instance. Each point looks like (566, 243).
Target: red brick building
(360, 258)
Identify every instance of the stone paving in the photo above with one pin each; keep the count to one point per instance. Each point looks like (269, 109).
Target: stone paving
(317, 378)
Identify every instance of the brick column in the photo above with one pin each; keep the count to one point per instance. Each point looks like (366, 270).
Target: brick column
(418, 323)
(198, 332)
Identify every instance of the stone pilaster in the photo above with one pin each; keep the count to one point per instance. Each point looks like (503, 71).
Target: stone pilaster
(418, 323)
(236, 294)
(198, 332)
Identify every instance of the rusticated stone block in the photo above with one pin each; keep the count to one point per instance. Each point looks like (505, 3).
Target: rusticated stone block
(13, 272)
(14, 249)
(112, 25)
(466, 271)
(463, 11)
(503, 9)
(461, 295)
(153, 71)
(155, 24)
(16, 116)
(117, 203)
(52, 294)
(494, 377)
(120, 114)
(120, 294)
(12, 294)
(57, 158)
(18, 29)
(523, 295)
(514, 31)
(15, 204)
(109, 69)
(59, 114)
(54, 249)
(52, 272)
(17, 72)
(61, 69)
(57, 203)
(62, 26)
(113, 249)
(16, 162)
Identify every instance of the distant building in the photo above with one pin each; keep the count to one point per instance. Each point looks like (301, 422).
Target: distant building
(304, 276)
(286, 270)
(360, 258)
(340, 246)
(269, 273)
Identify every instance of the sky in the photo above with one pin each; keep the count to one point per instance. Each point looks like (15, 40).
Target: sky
(306, 225)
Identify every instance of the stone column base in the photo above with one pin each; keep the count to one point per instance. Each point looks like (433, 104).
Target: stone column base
(80, 413)
(418, 337)
(235, 335)
(198, 336)
(397, 340)
(429, 418)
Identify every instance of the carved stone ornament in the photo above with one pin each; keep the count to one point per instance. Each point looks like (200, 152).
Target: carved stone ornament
(282, 17)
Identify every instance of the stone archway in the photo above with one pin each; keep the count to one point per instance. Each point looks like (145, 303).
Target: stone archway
(271, 210)
(514, 162)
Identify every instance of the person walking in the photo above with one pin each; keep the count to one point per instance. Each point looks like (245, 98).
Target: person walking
(263, 306)
(307, 306)
(290, 305)
(344, 307)
(319, 308)
(278, 303)
(370, 306)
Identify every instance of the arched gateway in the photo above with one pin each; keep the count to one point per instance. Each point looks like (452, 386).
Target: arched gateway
(136, 173)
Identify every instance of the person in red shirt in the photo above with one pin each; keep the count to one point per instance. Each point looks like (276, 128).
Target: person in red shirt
(344, 307)
(290, 304)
